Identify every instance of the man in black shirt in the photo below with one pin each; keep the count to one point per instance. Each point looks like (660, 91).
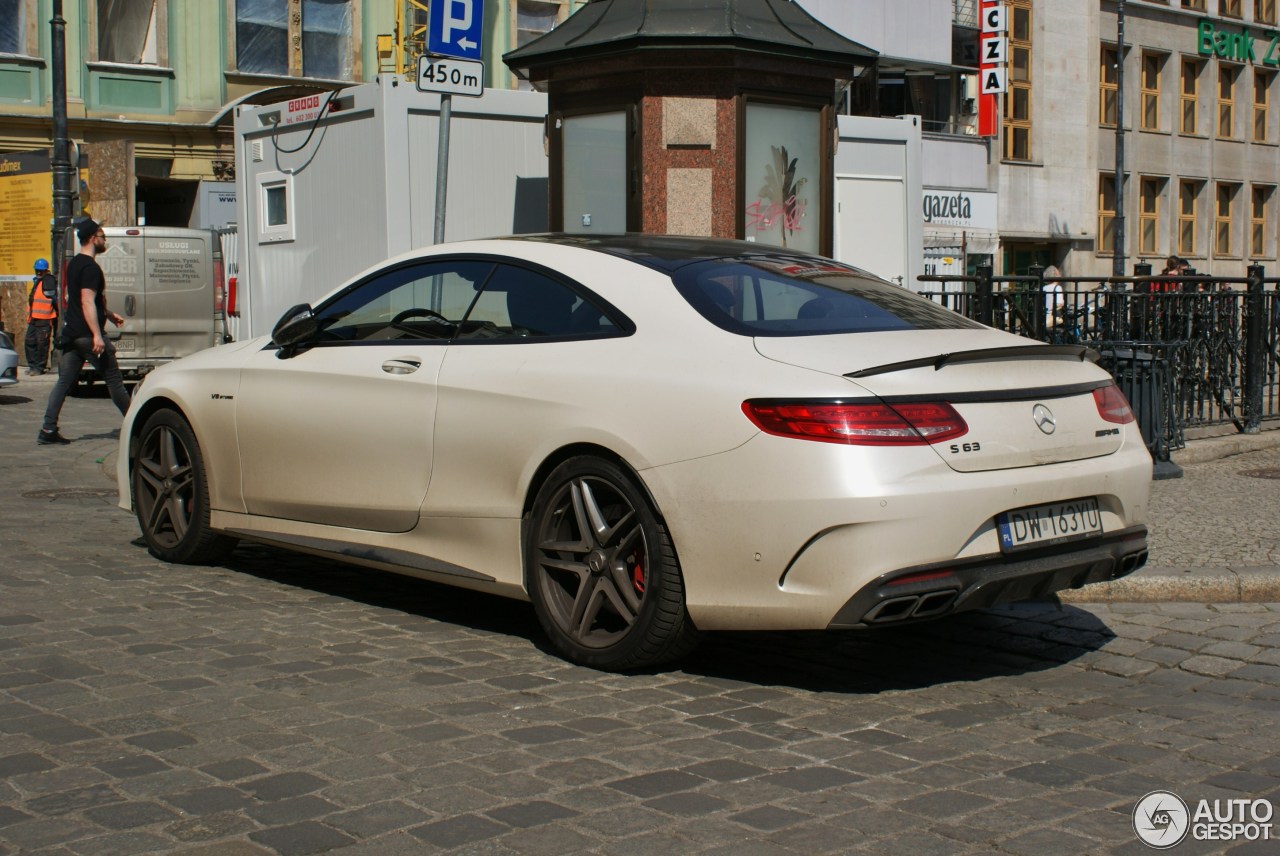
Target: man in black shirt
(84, 331)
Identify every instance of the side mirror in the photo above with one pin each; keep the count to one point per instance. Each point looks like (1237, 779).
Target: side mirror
(294, 328)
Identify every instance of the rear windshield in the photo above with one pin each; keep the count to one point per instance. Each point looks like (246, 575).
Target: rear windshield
(768, 297)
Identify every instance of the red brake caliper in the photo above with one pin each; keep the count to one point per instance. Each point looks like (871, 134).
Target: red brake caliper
(637, 572)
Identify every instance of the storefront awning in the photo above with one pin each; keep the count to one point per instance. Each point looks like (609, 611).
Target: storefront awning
(939, 242)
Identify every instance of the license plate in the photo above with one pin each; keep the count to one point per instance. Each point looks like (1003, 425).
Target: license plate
(126, 344)
(1054, 523)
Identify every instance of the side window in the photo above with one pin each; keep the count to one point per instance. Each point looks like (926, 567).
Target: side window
(417, 302)
(518, 303)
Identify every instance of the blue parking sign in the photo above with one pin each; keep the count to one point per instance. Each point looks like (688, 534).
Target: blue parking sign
(455, 28)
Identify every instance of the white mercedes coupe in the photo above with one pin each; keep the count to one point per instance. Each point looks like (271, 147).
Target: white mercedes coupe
(649, 437)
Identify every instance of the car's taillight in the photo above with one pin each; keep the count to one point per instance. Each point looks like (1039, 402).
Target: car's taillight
(915, 423)
(219, 290)
(1112, 405)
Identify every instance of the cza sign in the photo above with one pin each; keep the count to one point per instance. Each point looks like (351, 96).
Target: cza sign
(455, 28)
(993, 46)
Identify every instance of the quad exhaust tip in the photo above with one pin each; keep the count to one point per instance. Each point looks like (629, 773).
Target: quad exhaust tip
(936, 602)
(926, 605)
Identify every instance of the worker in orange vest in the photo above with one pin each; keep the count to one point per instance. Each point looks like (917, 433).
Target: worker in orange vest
(42, 317)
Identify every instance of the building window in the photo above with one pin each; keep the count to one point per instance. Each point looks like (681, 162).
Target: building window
(1224, 199)
(1197, 5)
(1149, 216)
(1229, 8)
(1188, 191)
(1264, 11)
(1107, 92)
(1261, 101)
(1106, 213)
(1017, 102)
(311, 38)
(1227, 101)
(1152, 68)
(326, 39)
(131, 31)
(1259, 202)
(1190, 101)
(531, 19)
(16, 18)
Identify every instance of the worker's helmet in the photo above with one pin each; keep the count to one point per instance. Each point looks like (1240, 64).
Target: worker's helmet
(42, 265)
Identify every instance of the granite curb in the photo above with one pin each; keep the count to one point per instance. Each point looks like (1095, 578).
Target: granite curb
(1147, 585)
(1185, 585)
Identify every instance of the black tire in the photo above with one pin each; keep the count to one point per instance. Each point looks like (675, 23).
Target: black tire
(171, 493)
(602, 572)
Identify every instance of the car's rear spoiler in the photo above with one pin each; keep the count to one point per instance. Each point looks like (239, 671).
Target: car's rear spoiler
(984, 355)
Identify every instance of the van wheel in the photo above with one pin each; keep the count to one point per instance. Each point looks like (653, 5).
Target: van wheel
(602, 572)
(171, 493)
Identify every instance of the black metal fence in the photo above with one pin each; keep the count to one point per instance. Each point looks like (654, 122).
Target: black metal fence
(1189, 350)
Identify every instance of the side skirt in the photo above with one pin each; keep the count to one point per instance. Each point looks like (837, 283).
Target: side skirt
(398, 561)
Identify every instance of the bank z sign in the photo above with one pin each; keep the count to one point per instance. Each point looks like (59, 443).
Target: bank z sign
(455, 28)
(1240, 47)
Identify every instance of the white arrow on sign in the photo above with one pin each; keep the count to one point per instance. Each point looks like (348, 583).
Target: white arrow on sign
(467, 44)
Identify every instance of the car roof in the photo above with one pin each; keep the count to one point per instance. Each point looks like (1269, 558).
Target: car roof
(667, 253)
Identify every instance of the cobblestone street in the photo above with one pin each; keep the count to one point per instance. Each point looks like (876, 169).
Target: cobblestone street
(285, 705)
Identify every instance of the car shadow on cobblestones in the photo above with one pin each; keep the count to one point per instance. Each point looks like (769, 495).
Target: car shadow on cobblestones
(13, 399)
(972, 646)
(387, 590)
(1012, 640)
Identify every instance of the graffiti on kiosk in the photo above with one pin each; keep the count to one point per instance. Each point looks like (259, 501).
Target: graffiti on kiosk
(780, 202)
(765, 215)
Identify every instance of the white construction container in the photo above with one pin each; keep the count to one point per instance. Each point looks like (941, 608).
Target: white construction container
(328, 185)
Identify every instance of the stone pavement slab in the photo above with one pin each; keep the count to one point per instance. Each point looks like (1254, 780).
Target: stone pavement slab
(280, 704)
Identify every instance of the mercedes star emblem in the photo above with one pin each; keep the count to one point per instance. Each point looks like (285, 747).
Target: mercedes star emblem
(1044, 419)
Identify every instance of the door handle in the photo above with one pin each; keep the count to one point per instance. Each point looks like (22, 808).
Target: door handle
(130, 305)
(401, 366)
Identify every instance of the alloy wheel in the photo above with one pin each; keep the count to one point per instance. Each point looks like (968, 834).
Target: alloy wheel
(592, 561)
(164, 487)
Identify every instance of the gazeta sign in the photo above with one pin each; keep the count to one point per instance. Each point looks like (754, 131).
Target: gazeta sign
(1239, 46)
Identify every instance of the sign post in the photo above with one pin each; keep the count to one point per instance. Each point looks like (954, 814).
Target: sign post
(455, 28)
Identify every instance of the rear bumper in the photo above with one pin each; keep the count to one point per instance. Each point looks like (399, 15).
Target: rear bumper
(932, 591)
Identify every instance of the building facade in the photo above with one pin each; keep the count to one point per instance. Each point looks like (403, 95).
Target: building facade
(152, 84)
(928, 68)
(1201, 136)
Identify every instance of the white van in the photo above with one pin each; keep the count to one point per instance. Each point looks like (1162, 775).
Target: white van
(168, 284)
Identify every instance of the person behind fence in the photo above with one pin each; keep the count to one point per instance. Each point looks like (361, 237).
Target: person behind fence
(84, 335)
(42, 318)
(1054, 299)
(1173, 266)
